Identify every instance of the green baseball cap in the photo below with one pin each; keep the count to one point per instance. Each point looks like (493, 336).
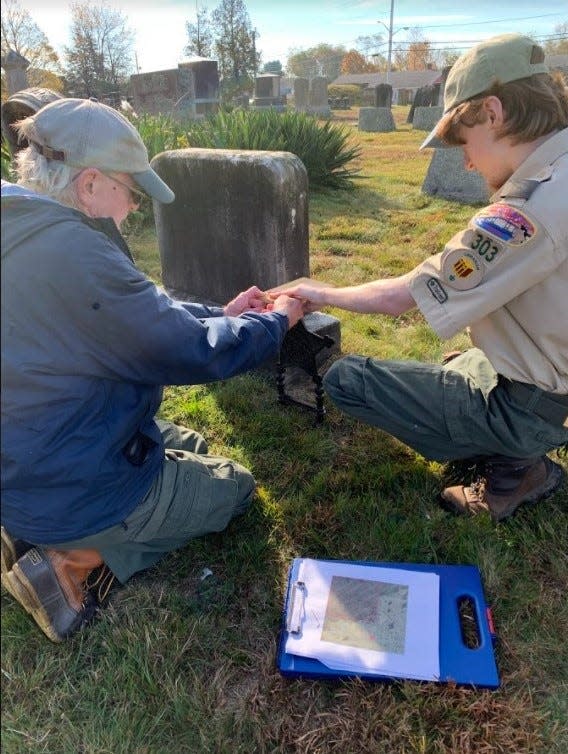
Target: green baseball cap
(85, 133)
(505, 58)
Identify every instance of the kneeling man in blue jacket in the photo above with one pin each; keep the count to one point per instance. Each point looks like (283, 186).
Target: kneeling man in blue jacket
(94, 488)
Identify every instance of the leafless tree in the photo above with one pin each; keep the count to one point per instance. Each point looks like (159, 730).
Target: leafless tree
(100, 55)
(20, 33)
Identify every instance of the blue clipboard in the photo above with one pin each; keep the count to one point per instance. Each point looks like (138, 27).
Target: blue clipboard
(460, 663)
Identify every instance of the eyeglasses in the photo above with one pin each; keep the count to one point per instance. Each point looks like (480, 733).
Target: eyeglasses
(136, 196)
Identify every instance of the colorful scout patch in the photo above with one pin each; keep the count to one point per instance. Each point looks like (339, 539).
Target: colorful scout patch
(461, 269)
(505, 223)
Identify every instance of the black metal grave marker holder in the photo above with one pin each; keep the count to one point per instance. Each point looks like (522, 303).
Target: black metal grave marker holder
(299, 349)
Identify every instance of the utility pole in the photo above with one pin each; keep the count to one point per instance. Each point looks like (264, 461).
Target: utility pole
(391, 33)
(389, 59)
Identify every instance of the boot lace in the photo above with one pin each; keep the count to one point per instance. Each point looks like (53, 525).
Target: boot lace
(478, 487)
(99, 583)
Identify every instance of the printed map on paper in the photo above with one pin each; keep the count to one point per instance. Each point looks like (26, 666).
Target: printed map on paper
(366, 614)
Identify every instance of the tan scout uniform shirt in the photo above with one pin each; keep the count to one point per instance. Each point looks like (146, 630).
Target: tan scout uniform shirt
(506, 275)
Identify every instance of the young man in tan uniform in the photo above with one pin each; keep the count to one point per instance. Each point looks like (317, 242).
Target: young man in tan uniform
(505, 277)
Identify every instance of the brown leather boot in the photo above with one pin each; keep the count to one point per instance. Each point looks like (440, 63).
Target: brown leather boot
(11, 549)
(52, 586)
(504, 485)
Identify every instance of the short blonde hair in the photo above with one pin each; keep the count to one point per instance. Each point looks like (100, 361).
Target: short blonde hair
(534, 106)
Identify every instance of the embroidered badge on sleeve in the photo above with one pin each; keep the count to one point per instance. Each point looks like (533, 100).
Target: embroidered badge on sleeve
(505, 223)
(437, 290)
(461, 269)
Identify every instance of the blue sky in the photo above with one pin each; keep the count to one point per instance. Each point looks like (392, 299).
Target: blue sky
(284, 25)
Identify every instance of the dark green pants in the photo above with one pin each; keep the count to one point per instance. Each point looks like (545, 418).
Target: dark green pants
(460, 410)
(193, 494)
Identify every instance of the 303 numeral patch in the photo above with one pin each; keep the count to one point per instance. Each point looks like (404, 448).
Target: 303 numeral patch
(485, 247)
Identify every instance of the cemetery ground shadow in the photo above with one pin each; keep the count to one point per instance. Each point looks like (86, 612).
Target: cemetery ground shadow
(346, 460)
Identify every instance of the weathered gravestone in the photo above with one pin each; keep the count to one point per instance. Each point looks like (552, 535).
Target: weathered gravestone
(376, 119)
(301, 94)
(318, 99)
(383, 95)
(205, 83)
(426, 96)
(159, 91)
(425, 118)
(239, 218)
(448, 178)
(184, 107)
(15, 66)
(267, 93)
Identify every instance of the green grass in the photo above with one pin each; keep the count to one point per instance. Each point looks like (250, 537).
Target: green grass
(180, 664)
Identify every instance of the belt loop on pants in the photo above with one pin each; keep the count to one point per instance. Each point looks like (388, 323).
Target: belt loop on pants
(552, 407)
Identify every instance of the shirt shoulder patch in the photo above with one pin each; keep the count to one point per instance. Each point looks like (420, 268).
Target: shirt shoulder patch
(461, 269)
(505, 223)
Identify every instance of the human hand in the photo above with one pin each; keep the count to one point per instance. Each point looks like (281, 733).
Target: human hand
(253, 299)
(293, 308)
(312, 295)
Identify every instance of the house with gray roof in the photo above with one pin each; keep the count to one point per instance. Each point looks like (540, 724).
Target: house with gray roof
(405, 84)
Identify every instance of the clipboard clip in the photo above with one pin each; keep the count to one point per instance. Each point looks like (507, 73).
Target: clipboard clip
(295, 612)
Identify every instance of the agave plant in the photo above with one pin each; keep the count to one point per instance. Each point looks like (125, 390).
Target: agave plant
(325, 148)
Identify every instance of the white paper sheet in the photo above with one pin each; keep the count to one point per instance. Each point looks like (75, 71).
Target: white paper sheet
(367, 619)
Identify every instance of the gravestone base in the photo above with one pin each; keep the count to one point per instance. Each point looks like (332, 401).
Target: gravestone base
(269, 103)
(448, 178)
(376, 119)
(425, 118)
(324, 111)
(297, 386)
(319, 324)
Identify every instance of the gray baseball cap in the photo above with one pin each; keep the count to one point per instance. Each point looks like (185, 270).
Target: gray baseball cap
(85, 133)
(505, 58)
(21, 105)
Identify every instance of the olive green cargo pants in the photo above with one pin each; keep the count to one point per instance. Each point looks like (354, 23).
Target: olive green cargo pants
(194, 494)
(460, 410)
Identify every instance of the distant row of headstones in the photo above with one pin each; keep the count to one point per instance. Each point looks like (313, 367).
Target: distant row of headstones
(192, 90)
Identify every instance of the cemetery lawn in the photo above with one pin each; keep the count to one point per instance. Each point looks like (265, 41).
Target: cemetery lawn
(177, 663)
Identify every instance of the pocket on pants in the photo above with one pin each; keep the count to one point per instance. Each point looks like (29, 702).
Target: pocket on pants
(188, 501)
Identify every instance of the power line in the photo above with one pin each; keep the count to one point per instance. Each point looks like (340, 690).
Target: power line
(403, 46)
(492, 21)
(471, 23)
(432, 44)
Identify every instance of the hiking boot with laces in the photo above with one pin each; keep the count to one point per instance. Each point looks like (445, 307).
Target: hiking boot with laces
(504, 485)
(53, 586)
